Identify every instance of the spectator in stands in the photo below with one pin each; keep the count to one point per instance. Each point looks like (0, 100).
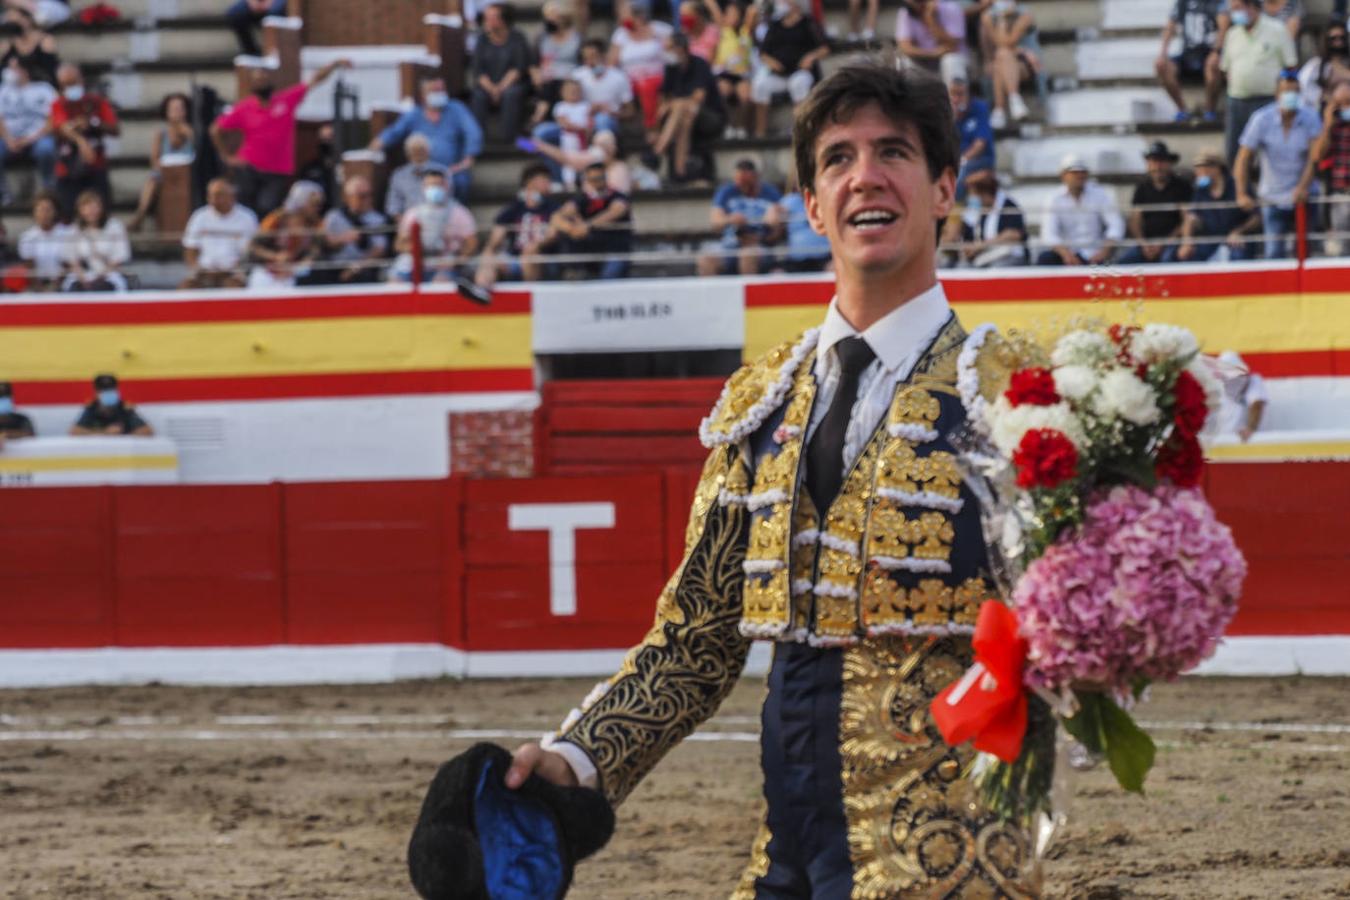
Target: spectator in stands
(1202, 26)
(264, 164)
(992, 230)
(868, 32)
(1009, 32)
(501, 71)
(1255, 49)
(1333, 149)
(357, 235)
(1282, 135)
(217, 237)
(1244, 398)
(807, 250)
(639, 48)
(597, 222)
(13, 424)
(731, 65)
(933, 36)
(1157, 230)
(699, 21)
(789, 60)
(108, 413)
(455, 138)
(173, 143)
(522, 233)
(98, 248)
(405, 184)
(33, 47)
(604, 148)
(741, 210)
(449, 237)
(557, 54)
(245, 16)
(284, 251)
(1214, 226)
(691, 112)
(82, 120)
(1082, 224)
(606, 89)
(25, 129)
(974, 131)
(1289, 12)
(1322, 74)
(47, 13)
(44, 246)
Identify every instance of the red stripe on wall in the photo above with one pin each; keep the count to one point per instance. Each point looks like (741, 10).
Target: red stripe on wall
(1303, 363)
(331, 306)
(1076, 286)
(285, 387)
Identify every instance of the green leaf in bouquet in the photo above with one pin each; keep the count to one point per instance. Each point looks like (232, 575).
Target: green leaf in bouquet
(1129, 750)
(1086, 724)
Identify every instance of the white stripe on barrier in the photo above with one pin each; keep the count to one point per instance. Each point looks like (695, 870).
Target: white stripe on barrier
(377, 663)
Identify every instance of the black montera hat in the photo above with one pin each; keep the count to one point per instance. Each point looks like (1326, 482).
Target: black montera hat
(476, 839)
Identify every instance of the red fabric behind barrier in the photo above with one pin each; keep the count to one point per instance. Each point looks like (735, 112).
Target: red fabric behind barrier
(437, 561)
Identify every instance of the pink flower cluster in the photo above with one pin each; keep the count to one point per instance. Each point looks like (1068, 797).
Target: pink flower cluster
(1143, 589)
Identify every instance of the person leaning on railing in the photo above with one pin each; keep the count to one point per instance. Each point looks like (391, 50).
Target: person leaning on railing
(357, 236)
(597, 222)
(991, 231)
(522, 234)
(1214, 226)
(1155, 222)
(1082, 224)
(1332, 152)
(216, 240)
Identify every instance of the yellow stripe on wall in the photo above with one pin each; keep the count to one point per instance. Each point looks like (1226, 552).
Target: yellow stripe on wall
(304, 347)
(1317, 450)
(86, 463)
(1253, 324)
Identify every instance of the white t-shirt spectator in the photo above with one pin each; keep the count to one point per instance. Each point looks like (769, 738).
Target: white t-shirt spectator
(24, 109)
(221, 241)
(646, 58)
(100, 250)
(47, 250)
(610, 89)
(1083, 224)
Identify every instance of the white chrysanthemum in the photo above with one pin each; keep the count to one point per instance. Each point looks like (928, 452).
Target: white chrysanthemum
(1202, 370)
(1008, 423)
(1125, 396)
(1159, 343)
(1075, 382)
(1082, 348)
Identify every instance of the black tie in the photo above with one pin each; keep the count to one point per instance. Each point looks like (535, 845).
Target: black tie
(825, 453)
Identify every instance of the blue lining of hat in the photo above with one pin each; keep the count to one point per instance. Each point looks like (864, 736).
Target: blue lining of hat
(522, 856)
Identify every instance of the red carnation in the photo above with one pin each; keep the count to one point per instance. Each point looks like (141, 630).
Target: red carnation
(1121, 334)
(1181, 460)
(1045, 458)
(1034, 387)
(1190, 409)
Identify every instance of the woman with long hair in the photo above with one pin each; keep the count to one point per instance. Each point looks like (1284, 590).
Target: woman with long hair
(97, 250)
(174, 142)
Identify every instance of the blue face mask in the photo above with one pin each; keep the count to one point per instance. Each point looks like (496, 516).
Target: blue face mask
(110, 397)
(434, 195)
(1240, 18)
(1289, 101)
(1344, 114)
(1203, 182)
(6, 405)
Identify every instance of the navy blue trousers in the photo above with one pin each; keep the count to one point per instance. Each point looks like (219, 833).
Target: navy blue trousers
(808, 852)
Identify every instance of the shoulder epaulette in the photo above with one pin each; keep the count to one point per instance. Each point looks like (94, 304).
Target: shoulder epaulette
(754, 392)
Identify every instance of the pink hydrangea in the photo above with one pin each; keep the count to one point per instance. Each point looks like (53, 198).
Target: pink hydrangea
(1144, 588)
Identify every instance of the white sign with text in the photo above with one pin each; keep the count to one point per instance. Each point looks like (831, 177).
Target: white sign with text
(638, 315)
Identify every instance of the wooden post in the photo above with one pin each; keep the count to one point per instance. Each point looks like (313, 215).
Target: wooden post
(445, 38)
(175, 198)
(282, 40)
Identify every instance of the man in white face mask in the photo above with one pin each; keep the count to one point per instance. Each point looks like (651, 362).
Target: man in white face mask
(24, 131)
(1282, 134)
(82, 119)
(456, 138)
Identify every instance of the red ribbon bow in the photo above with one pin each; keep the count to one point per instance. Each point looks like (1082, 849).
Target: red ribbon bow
(988, 703)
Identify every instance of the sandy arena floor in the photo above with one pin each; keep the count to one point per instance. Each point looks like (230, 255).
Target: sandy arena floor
(311, 792)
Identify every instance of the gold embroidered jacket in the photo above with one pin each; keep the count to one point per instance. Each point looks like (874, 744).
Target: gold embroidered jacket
(897, 553)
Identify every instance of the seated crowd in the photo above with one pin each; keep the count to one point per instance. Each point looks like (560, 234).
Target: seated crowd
(663, 93)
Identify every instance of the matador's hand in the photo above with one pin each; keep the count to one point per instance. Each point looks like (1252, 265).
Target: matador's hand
(531, 758)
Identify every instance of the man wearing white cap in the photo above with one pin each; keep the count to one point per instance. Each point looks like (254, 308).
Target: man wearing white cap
(1244, 398)
(1082, 222)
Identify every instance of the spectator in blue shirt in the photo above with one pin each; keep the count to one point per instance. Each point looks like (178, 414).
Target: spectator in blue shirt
(1282, 134)
(1214, 227)
(455, 135)
(974, 131)
(807, 251)
(741, 209)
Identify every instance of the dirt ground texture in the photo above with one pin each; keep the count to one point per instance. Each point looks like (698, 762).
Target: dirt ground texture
(183, 793)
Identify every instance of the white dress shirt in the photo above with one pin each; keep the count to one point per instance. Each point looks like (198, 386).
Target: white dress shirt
(898, 339)
(1082, 224)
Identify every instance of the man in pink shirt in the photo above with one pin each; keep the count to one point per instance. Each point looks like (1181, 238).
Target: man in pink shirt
(934, 36)
(264, 164)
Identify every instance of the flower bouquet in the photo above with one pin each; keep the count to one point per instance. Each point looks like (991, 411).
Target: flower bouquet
(1114, 569)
